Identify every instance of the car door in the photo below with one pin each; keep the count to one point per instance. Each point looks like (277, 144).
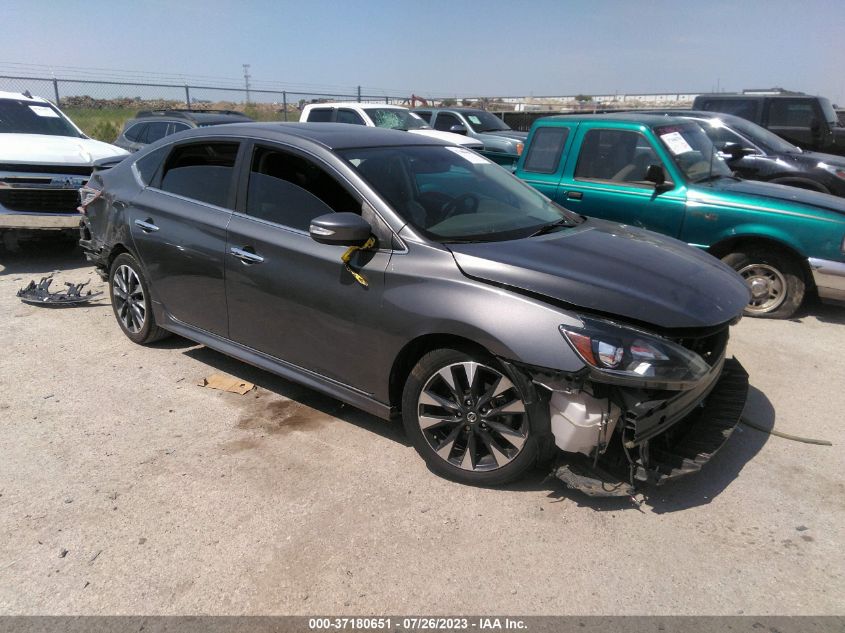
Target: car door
(288, 296)
(178, 226)
(605, 177)
(542, 165)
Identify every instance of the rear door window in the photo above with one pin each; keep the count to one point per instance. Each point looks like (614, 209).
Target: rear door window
(136, 132)
(545, 149)
(289, 190)
(202, 172)
(745, 108)
(791, 113)
(320, 115)
(156, 131)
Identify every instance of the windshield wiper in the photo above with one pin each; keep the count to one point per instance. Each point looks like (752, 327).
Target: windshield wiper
(548, 228)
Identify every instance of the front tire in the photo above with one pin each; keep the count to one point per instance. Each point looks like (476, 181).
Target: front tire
(775, 279)
(131, 303)
(468, 420)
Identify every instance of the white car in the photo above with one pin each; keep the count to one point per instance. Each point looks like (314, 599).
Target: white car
(44, 160)
(380, 115)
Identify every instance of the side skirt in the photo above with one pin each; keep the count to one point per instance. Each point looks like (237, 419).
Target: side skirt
(294, 373)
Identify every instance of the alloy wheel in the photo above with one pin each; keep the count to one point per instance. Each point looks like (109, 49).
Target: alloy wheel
(473, 416)
(129, 304)
(768, 287)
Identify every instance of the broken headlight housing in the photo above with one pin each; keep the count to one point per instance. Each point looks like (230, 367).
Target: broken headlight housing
(624, 355)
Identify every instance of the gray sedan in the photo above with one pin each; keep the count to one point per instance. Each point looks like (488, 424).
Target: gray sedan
(416, 279)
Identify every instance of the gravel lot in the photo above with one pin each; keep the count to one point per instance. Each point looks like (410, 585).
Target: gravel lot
(125, 488)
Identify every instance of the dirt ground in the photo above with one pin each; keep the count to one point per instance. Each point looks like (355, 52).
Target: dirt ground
(125, 488)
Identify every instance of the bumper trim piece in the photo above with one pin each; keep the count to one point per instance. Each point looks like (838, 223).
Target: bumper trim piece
(829, 277)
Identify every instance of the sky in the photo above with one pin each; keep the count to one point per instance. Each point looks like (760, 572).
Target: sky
(447, 48)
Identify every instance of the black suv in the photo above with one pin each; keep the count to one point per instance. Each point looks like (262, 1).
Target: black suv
(148, 126)
(755, 153)
(807, 121)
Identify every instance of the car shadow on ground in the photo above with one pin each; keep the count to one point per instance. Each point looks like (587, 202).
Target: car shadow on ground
(305, 396)
(824, 312)
(695, 490)
(43, 256)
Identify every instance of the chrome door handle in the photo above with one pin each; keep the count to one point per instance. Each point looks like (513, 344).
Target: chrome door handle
(246, 256)
(574, 195)
(146, 226)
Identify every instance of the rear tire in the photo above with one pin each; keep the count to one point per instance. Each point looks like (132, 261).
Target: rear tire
(775, 278)
(468, 420)
(131, 303)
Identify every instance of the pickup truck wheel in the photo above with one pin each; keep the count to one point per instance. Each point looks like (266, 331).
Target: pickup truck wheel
(775, 279)
(467, 420)
(130, 300)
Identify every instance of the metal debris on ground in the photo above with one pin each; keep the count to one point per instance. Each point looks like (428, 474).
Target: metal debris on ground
(39, 293)
(227, 383)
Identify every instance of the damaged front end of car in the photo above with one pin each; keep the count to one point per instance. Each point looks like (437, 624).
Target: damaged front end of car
(646, 408)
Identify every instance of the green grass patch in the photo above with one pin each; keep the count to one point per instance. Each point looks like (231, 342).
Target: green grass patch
(103, 124)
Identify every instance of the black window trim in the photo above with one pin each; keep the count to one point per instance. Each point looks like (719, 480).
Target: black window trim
(155, 182)
(621, 183)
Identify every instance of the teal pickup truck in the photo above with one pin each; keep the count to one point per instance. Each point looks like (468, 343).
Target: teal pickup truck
(661, 173)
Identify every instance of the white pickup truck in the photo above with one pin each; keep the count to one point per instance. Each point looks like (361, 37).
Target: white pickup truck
(44, 160)
(378, 115)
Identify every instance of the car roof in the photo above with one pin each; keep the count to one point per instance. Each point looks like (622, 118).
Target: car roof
(456, 109)
(197, 116)
(697, 114)
(739, 95)
(19, 96)
(621, 117)
(354, 104)
(330, 135)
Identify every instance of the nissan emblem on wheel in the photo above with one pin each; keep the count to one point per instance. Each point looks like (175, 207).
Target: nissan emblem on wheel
(417, 280)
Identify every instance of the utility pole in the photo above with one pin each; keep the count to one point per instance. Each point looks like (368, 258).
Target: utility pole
(247, 77)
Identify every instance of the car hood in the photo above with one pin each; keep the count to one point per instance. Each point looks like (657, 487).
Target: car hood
(616, 270)
(42, 149)
(764, 194)
(509, 134)
(814, 158)
(457, 139)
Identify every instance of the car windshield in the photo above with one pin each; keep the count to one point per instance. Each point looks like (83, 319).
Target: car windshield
(693, 152)
(761, 137)
(33, 117)
(452, 194)
(481, 121)
(396, 119)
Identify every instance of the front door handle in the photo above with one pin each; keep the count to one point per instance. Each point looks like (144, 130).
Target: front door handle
(246, 256)
(147, 225)
(574, 195)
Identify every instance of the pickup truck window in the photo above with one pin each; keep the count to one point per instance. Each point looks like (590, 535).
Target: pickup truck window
(445, 121)
(545, 149)
(320, 115)
(789, 113)
(349, 116)
(616, 156)
(745, 108)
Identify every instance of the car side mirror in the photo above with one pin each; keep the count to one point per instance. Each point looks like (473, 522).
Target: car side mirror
(735, 151)
(458, 129)
(655, 174)
(347, 229)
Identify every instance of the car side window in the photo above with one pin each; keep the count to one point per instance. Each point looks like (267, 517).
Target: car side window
(201, 171)
(349, 116)
(745, 108)
(425, 116)
(615, 155)
(149, 164)
(155, 131)
(789, 113)
(545, 149)
(178, 127)
(320, 115)
(135, 132)
(290, 190)
(445, 121)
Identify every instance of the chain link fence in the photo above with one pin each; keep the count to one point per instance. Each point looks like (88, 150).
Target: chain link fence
(100, 108)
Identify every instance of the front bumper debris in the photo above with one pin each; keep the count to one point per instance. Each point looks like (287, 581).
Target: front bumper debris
(679, 448)
(39, 294)
(829, 278)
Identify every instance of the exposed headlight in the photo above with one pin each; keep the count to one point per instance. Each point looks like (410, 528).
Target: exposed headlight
(519, 147)
(624, 354)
